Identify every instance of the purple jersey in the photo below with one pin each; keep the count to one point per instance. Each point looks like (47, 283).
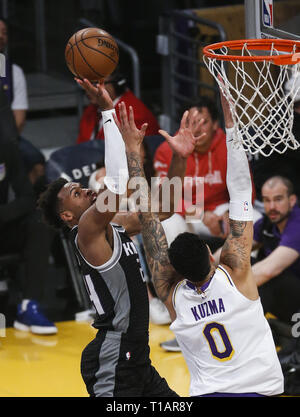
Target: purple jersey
(290, 237)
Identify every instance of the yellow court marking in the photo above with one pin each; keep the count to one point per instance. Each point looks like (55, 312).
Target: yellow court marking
(49, 366)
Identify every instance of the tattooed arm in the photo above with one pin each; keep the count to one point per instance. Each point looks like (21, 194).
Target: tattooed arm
(235, 257)
(163, 274)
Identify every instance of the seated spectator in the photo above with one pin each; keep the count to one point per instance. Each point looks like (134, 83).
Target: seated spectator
(91, 122)
(22, 232)
(277, 234)
(15, 87)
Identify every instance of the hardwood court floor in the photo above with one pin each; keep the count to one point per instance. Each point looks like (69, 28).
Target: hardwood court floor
(49, 366)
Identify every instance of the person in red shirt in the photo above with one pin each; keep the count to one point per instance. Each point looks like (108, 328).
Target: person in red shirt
(91, 122)
(209, 161)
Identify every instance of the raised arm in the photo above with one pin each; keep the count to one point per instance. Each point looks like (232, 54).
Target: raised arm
(94, 221)
(182, 145)
(236, 252)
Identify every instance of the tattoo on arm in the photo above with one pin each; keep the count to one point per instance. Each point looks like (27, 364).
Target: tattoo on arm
(236, 250)
(155, 242)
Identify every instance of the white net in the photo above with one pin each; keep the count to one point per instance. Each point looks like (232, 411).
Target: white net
(262, 109)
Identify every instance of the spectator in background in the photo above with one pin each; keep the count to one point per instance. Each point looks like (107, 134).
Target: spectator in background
(15, 87)
(277, 235)
(22, 232)
(91, 122)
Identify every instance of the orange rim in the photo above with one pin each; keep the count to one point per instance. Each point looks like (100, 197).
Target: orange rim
(291, 57)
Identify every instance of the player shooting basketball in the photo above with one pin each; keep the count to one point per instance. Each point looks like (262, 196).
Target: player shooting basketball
(217, 315)
(116, 362)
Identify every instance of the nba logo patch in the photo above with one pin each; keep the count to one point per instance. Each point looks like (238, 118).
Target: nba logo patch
(268, 13)
(128, 356)
(2, 171)
(246, 207)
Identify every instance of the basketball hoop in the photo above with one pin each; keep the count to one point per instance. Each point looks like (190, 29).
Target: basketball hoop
(253, 79)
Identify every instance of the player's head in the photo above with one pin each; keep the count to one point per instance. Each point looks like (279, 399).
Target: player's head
(278, 198)
(191, 257)
(3, 34)
(64, 202)
(208, 111)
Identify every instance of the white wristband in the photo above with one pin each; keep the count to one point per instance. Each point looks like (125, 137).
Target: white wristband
(241, 210)
(108, 114)
(238, 179)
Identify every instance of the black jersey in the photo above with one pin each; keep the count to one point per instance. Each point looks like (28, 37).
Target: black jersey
(117, 288)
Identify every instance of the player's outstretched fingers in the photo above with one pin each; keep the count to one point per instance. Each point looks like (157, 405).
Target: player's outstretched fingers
(184, 119)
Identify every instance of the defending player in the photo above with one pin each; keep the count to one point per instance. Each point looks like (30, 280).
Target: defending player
(217, 315)
(116, 363)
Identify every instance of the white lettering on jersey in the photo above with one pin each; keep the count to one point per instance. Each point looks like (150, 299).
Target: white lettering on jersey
(129, 248)
(93, 295)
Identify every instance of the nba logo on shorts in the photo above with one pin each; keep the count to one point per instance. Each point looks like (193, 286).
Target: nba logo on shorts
(268, 13)
(128, 356)
(245, 205)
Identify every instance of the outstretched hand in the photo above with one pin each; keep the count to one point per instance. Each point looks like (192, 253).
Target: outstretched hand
(97, 93)
(132, 136)
(183, 143)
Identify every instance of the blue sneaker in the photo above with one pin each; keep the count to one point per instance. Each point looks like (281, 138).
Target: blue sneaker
(30, 318)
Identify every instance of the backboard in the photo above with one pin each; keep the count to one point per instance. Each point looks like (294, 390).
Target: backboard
(272, 19)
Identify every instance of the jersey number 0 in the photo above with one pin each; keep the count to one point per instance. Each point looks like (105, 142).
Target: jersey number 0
(228, 351)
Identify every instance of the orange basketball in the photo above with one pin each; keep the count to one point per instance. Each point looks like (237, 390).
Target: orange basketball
(92, 53)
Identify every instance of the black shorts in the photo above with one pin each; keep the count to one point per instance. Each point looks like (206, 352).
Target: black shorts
(112, 366)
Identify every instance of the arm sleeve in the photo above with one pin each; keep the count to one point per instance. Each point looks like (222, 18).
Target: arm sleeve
(116, 166)
(238, 180)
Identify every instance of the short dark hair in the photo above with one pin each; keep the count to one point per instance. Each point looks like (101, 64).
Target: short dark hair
(205, 101)
(189, 256)
(49, 203)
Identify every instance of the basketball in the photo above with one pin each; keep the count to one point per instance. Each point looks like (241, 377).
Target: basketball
(91, 53)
